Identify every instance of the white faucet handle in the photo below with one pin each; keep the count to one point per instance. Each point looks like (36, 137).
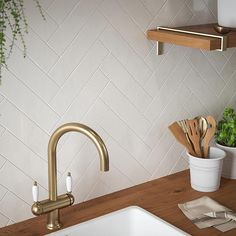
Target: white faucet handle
(69, 182)
(35, 192)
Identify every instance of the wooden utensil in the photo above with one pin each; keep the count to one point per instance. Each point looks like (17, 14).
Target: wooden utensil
(182, 124)
(209, 134)
(179, 134)
(203, 125)
(194, 135)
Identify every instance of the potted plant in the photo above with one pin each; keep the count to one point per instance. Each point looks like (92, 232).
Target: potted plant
(226, 140)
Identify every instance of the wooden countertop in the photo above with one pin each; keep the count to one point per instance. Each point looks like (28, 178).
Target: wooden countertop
(160, 197)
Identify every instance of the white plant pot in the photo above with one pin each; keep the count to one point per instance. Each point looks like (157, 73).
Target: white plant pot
(229, 165)
(226, 13)
(205, 173)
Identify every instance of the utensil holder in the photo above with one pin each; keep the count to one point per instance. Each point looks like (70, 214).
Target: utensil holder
(205, 173)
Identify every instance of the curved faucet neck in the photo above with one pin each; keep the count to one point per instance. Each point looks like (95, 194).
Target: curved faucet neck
(52, 146)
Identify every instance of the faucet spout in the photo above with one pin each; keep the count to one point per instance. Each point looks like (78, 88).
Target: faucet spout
(77, 127)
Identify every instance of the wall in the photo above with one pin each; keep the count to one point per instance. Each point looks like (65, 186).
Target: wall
(90, 62)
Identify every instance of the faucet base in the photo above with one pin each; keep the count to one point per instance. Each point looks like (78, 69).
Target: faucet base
(53, 222)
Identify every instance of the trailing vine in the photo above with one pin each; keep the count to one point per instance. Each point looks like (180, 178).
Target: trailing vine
(13, 20)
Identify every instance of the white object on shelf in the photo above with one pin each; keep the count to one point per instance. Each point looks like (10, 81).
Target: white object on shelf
(69, 182)
(35, 192)
(226, 13)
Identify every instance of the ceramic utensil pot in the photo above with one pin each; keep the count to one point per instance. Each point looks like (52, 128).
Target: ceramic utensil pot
(205, 173)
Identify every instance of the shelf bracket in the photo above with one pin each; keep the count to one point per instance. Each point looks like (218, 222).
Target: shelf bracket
(223, 38)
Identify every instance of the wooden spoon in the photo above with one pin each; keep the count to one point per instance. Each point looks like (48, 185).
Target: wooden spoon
(180, 136)
(203, 125)
(194, 135)
(209, 134)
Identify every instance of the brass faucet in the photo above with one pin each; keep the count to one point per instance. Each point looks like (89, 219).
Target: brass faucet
(54, 203)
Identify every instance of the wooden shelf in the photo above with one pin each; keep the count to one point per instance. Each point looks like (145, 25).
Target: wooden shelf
(192, 40)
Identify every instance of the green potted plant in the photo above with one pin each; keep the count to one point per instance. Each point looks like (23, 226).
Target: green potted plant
(226, 140)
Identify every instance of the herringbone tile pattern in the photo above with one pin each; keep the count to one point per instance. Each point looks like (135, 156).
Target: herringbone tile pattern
(90, 62)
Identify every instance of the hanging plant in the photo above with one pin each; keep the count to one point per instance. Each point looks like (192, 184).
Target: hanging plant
(13, 19)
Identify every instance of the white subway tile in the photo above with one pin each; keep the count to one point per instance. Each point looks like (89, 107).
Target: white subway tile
(161, 147)
(35, 79)
(205, 69)
(78, 79)
(202, 91)
(22, 157)
(86, 98)
(123, 161)
(169, 161)
(115, 179)
(137, 11)
(87, 183)
(123, 108)
(167, 91)
(117, 17)
(126, 55)
(119, 130)
(60, 9)
(2, 161)
(26, 101)
(10, 203)
(44, 28)
(229, 67)
(153, 6)
(78, 49)
(3, 220)
(73, 23)
(46, 3)
(24, 129)
(3, 191)
(165, 69)
(172, 112)
(167, 12)
(2, 129)
(99, 189)
(80, 162)
(19, 183)
(38, 51)
(126, 83)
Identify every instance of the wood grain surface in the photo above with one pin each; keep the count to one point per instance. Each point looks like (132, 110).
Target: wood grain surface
(160, 197)
(195, 41)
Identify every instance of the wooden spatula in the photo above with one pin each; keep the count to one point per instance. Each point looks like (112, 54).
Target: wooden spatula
(194, 135)
(209, 134)
(180, 136)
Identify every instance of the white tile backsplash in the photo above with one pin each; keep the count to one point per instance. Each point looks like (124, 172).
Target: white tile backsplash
(73, 23)
(10, 203)
(3, 220)
(90, 62)
(78, 49)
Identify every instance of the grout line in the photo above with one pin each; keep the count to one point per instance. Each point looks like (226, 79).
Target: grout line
(202, 76)
(142, 138)
(126, 42)
(27, 117)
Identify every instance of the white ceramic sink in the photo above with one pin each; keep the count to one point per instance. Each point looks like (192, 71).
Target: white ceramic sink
(130, 221)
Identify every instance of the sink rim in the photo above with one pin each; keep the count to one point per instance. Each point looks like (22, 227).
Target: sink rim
(115, 212)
